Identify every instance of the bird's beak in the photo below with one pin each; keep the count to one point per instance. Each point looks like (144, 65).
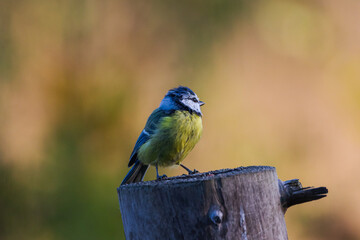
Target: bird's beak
(201, 103)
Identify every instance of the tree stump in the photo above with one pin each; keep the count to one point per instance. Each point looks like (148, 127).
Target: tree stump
(243, 203)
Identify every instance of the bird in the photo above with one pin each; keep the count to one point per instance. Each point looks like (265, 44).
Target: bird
(171, 132)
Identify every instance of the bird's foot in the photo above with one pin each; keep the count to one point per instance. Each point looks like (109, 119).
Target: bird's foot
(161, 177)
(188, 170)
(193, 172)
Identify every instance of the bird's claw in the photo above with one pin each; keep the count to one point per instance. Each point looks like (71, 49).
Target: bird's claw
(193, 172)
(161, 177)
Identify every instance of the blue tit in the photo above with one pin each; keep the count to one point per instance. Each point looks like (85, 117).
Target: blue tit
(170, 133)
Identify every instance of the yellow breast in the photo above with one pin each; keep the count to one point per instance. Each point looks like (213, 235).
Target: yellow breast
(175, 137)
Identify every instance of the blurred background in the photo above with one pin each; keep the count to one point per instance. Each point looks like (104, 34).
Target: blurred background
(78, 79)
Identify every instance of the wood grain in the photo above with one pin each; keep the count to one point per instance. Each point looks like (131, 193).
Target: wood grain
(242, 203)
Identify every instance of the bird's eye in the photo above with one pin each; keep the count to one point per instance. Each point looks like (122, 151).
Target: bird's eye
(195, 100)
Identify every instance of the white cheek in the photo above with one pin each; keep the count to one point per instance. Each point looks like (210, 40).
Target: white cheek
(192, 105)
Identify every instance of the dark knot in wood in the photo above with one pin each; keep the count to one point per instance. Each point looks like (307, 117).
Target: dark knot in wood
(215, 214)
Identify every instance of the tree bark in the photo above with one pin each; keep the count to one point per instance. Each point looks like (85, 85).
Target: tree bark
(243, 203)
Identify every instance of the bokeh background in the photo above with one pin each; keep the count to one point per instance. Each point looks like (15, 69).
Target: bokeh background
(78, 79)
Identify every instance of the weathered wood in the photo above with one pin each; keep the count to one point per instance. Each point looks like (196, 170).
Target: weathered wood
(293, 193)
(241, 203)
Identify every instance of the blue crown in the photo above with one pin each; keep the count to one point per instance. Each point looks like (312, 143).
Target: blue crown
(181, 90)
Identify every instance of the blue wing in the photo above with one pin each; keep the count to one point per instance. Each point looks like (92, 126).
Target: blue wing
(141, 140)
(149, 130)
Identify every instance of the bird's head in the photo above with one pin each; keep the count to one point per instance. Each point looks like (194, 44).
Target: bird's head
(181, 98)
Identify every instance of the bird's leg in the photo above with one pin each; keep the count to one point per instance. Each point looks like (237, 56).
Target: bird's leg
(188, 170)
(157, 174)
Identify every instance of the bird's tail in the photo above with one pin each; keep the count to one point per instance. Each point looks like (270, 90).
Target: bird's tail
(136, 173)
